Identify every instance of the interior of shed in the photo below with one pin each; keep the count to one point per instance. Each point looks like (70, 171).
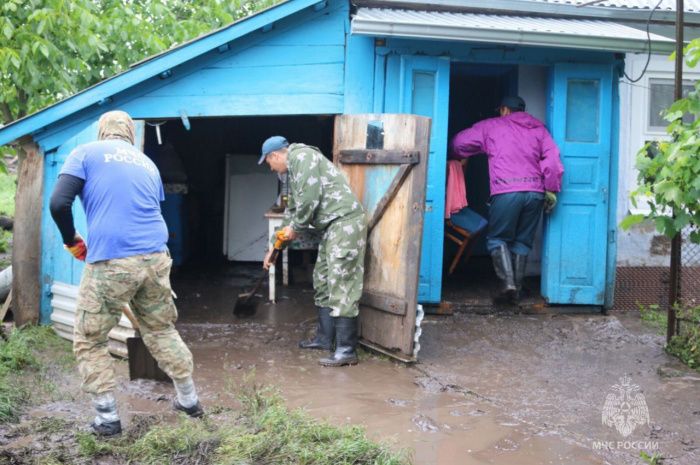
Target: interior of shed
(216, 199)
(475, 92)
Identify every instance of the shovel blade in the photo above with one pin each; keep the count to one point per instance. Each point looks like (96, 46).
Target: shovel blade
(142, 365)
(245, 307)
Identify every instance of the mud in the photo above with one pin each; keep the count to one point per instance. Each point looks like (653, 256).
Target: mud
(489, 389)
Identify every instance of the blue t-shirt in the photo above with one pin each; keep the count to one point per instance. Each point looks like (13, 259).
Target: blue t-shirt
(121, 198)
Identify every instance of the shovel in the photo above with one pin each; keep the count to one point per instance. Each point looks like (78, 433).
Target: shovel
(244, 306)
(141, 362)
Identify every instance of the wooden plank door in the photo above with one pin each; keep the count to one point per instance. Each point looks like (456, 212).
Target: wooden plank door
(576, 238)
(389, 178)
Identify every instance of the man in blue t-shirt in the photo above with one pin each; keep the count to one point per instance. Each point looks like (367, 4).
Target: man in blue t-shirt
(127, 263)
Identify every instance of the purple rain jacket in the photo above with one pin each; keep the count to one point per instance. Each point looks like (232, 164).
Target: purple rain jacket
(522, 154)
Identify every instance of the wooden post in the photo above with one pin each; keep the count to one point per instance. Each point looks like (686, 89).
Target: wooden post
(26, 248)
(675, 278)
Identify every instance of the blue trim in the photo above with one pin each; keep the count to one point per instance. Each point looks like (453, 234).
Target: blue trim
(611, 267)
(148, 69)
(512, 54)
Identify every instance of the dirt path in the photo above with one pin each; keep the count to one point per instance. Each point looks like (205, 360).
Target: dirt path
(489, 389)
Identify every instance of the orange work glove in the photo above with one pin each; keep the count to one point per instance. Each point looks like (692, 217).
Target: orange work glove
(78, 249)
(280, 239)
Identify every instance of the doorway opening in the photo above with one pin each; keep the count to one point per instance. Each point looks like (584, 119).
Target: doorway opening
(216, 198)
(475, 93)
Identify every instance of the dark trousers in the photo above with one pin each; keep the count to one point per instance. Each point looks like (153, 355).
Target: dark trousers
(513, 219)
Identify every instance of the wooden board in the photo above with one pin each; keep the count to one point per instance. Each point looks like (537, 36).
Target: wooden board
(388, 305)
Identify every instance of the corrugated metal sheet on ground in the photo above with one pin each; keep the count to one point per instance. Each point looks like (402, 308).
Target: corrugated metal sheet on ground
(526, 30)
(63, 308)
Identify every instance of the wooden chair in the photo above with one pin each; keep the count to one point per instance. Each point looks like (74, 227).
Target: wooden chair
(464, 228)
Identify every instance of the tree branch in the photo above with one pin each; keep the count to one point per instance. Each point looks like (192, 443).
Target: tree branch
(22, 98)
(6, 112)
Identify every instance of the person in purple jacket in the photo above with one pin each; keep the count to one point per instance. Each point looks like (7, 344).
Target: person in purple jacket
(525, 173)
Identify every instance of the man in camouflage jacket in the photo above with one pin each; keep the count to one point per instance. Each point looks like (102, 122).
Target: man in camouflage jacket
(321, 197)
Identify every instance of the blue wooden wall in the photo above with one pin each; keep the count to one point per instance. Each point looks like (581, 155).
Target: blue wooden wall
(302, 63)
(294, 66)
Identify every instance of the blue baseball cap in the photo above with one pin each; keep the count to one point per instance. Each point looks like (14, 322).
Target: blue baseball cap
(270, 145)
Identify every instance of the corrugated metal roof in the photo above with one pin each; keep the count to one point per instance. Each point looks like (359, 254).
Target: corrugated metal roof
(667, 5)
(526, 30)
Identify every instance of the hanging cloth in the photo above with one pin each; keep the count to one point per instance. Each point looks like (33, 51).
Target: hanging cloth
(456, 191)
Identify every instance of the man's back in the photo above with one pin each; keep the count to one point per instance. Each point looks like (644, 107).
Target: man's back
(121, 198)
(522, 154)
(320, 192)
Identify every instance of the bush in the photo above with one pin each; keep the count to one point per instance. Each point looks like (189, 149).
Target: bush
(686, 344)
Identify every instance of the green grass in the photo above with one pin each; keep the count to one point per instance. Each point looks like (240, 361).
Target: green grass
(653, 317)
(5, 241)
(7, 194)
(686, 344)
(654, 459)
(266, 432)
(19, 357)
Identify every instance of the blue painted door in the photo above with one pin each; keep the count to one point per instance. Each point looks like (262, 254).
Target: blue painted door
(423, 89)
(575, 245)
(57, 264)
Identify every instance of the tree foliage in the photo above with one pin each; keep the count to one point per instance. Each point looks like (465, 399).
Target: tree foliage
(50, 49)
(669, 170)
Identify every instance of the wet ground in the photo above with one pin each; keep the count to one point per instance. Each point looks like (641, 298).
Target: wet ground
(498, 388)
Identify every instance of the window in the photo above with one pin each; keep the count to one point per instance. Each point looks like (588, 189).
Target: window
(660, 98)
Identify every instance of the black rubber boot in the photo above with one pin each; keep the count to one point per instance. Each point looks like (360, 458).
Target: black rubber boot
(111, 428)
(345, 344)
(323, 340)
(196, 411)
(504, 270)
(519, 265)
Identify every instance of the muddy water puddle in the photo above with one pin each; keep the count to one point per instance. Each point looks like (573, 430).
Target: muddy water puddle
(394, 402)
(489, 389)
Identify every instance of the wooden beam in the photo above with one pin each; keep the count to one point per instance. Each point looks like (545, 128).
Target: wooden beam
(388, 196)
(386, 303)
(26, 248)
(379, 157)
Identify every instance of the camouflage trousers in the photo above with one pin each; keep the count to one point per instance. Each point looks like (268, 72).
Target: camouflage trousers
(143, 281)
(340, 267)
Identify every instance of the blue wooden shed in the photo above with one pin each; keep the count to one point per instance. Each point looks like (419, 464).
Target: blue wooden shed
(291, 68)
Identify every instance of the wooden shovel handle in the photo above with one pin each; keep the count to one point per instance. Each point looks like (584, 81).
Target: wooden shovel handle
(130, 316)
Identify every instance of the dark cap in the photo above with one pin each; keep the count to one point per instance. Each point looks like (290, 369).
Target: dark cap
(272, 144)
(513, 102)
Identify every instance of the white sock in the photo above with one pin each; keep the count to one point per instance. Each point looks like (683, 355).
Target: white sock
(106, 407)
(186, 392)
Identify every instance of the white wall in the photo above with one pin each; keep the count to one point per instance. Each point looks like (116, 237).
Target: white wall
(641, 246)
(532, 87)
(250, 191)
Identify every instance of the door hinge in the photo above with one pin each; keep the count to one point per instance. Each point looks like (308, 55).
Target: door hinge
(611, 236)
(604, 192)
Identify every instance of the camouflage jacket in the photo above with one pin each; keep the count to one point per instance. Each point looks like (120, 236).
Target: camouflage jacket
(318, 192)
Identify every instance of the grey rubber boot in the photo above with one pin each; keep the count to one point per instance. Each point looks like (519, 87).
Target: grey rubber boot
(504, 270)
(325, 332)
(345, 343)
(111, 428)
(519, 265)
